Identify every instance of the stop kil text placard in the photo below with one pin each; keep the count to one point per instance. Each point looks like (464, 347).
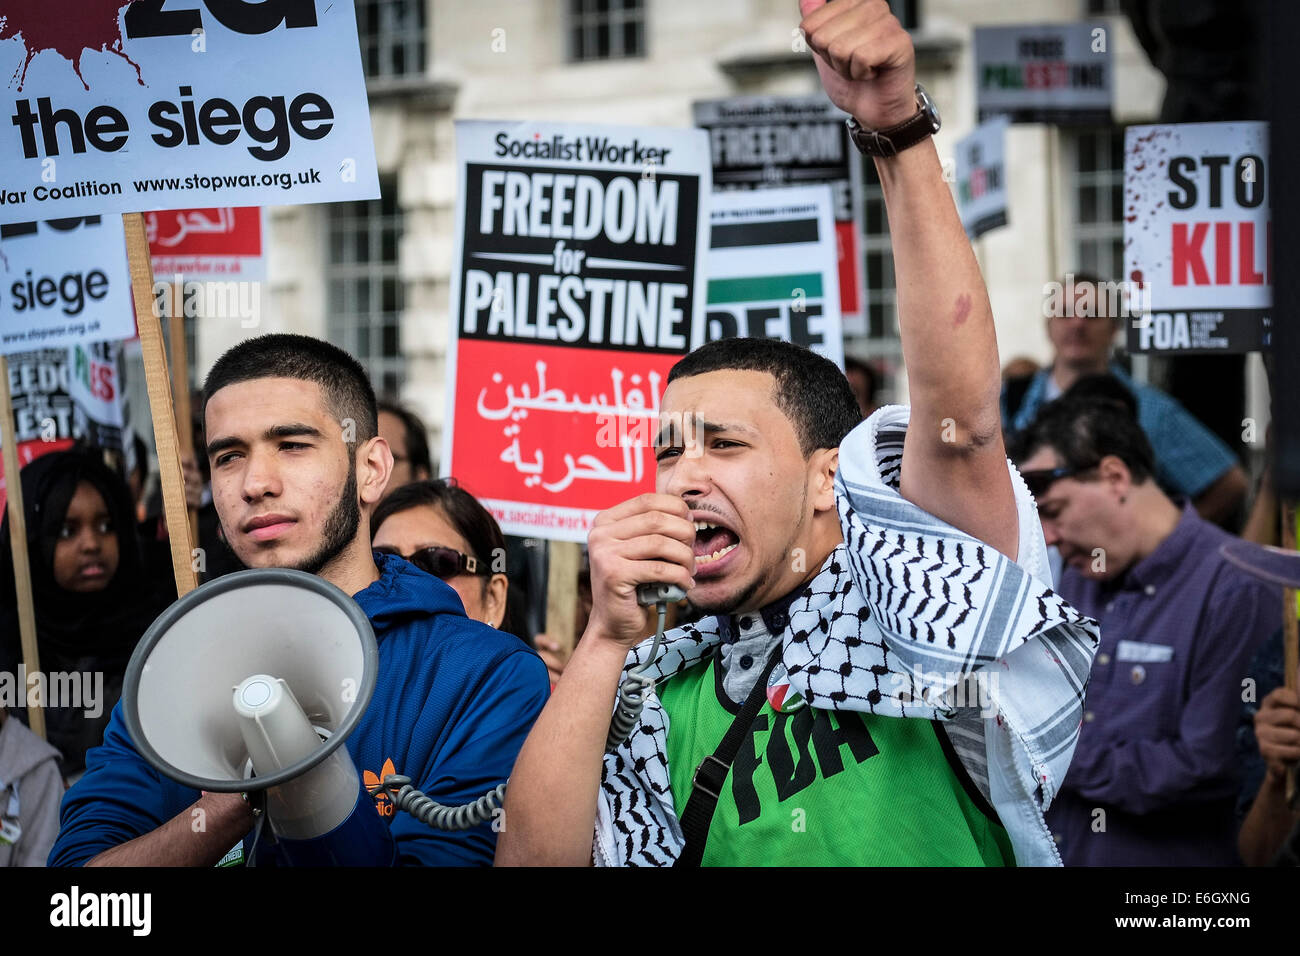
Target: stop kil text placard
(1197, 236)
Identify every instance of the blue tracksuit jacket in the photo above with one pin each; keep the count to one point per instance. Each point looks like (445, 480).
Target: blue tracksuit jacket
(453, 703)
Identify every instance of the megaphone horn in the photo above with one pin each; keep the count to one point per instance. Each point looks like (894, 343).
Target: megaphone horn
(253, 682)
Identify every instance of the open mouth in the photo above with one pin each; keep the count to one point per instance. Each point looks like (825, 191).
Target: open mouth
(713, 542)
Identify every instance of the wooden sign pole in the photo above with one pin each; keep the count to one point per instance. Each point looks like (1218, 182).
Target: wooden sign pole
(18, 546)
(562, 593)
(160, 403)
(181, 385)
(1290, 629)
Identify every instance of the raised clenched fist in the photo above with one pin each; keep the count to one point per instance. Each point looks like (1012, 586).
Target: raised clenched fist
(865, 58)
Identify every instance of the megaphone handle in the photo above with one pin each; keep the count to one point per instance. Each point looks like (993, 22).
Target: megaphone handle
(256, 800)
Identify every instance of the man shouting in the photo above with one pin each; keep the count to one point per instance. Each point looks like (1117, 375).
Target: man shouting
(879, 681)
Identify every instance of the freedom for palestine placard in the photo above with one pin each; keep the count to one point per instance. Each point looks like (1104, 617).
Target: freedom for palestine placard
(577, 282)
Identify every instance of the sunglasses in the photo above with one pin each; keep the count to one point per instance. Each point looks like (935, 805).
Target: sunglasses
(442, 563)
(1039, 480)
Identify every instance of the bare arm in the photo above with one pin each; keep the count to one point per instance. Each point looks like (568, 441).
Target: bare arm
(1268, 823)
(954, 462)
(1220, 501)
(550, 809)
(1262, 524)
(188, 839)
(1277, 731)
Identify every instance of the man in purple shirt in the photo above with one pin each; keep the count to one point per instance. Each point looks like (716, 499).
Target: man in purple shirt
(1154, 777)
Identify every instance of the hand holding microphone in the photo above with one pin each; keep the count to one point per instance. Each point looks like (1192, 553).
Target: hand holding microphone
(634, 547)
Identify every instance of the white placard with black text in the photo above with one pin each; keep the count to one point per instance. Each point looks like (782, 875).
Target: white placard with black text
(63, 282)
(1198, 236)
(128, 107)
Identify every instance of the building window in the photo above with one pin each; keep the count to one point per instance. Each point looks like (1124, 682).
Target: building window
(908, 13)
(881, 346)
(392, 37)
(365, 291)
(882, 303)
(1097, 200)
(606, 29)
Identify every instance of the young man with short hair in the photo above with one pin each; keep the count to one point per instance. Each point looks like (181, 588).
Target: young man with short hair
(1155, 778)
(852, 637)
(297, 467)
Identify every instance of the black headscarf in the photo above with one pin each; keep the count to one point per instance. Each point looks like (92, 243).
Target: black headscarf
(76, 631)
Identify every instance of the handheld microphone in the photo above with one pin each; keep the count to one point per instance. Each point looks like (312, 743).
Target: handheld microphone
(652, 594)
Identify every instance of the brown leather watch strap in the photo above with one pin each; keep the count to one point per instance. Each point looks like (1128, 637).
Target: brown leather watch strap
(894, 139)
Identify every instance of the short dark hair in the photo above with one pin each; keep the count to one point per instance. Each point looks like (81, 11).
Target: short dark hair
(471, 520)
(1103, 387)
(417, 436)
(808, 389)
(852, 364)
(1083, 431)
(347, 389)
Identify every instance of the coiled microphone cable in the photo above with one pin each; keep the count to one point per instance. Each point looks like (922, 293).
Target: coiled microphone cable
(627, 713)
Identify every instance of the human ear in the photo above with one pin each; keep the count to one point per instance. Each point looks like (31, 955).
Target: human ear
(494, 600)
(1115, 474)
(374, 469)
(823, 464)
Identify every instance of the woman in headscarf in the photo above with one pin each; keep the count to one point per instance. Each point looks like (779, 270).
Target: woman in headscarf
(92, 594)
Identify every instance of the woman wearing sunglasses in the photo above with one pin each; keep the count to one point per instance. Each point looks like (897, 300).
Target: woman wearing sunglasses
(442, 529)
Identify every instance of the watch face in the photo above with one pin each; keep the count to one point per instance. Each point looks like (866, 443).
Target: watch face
(927, 106)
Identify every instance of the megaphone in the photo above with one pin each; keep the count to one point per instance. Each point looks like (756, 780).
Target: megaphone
(252, 683)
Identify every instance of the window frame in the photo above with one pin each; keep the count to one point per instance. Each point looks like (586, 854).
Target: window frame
(393, 35)
(1106, 177)
(584, 18)
(356, 289)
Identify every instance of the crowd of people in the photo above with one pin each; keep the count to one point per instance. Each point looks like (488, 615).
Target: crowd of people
(810, 702)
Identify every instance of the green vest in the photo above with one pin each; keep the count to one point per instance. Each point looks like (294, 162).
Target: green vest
(828, 788)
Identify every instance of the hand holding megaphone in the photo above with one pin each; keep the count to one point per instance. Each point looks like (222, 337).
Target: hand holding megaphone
(252, 683)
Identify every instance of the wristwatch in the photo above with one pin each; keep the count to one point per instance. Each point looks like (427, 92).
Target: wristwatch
(894, 139)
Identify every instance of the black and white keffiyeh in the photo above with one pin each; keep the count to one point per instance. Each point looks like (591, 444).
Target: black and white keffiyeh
(909, 618)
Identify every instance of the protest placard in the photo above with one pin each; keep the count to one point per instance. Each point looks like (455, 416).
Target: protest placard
(773, 270)
(63, 281)
(764, 142)
(61, 396)
(982, 177)
(575, 287)
(1044, 73)
(127, 107)
(207, 263)
(207, 244)
(1198, 237)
